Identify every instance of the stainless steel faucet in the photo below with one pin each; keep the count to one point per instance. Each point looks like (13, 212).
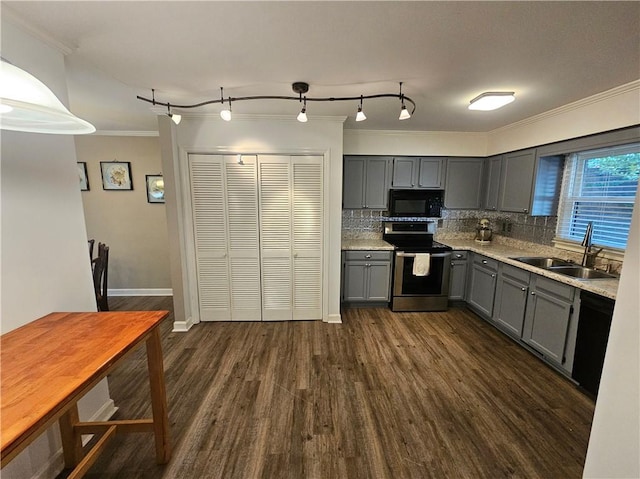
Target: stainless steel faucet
(589, 256)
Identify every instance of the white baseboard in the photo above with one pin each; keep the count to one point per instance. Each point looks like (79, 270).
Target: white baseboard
(334, 319)
(55, 464)
(141, 292)
(183, 326)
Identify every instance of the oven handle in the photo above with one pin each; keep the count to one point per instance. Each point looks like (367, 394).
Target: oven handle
(413, 255)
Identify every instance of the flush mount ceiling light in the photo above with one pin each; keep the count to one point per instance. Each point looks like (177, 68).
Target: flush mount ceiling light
(27, 104)
(491, 100)
(301, 88)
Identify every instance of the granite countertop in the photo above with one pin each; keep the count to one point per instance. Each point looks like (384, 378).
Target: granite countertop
(366, 244)
(503, 252)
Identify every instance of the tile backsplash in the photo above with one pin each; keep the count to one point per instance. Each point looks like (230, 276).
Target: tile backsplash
(535, 229)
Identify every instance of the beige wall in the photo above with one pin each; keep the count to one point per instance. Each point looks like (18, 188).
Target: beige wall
(135, 230)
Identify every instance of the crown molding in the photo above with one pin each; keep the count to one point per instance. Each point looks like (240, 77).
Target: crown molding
(16, 19)
(576, 105)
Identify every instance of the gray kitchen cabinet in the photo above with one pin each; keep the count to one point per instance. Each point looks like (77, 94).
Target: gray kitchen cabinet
(516, 181)
(366, 276)
(548, 317)
(482, 285)
(492, 182)
(458, 277)
(366, 182)
(416, 172)
(511, 299)
(463, 185)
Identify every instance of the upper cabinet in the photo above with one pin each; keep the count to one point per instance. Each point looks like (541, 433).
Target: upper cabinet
(463, 183)
(420, 173)
(366, 182)
(517, 181)
(492, 188)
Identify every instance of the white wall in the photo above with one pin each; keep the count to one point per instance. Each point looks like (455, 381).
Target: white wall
(614, 445)
(44, 263)
(256, 135)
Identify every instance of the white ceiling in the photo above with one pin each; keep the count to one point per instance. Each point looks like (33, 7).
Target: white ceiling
(548, 53)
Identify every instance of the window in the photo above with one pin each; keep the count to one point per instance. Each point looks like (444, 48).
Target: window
(599, 186)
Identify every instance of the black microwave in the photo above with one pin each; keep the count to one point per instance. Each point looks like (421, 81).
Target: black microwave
(416, 203)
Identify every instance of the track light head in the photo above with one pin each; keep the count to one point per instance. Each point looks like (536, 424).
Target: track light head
(404, 113)
(174, 117)
(360, 116)
(302, 116)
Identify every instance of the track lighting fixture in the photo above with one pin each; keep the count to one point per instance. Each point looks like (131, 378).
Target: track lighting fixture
(174, 116)
(360, 116)
(28, 105)
(302, 116)
(224, 113)
(404, 114)
(301, 88)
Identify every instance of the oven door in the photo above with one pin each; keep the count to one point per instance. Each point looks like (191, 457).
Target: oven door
(436, 283)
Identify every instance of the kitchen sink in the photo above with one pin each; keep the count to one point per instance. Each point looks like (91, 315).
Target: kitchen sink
(543, 262)
(580, 272)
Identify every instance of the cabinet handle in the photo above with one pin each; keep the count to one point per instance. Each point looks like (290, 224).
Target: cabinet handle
(525, 210)
(368, 265)
(484, 261)
(524, 289)
(367, 256)
(533, 293)
(458, 256)
(452, 263)
(493, 275)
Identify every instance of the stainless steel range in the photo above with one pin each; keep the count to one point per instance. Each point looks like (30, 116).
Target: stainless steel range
(421, 267)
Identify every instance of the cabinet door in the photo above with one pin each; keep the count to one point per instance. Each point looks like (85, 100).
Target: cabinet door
(353, 182)
(431, 172)
(463, 184)
(354, 287)
(546, 324)
(376, 190)
(511, 301)
(482, 289)
(404, 172)
(458, 281)
(517, 181)
(379, 275)
(494, 167)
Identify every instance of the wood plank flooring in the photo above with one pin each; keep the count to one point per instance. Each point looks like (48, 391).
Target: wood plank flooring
(383, 395)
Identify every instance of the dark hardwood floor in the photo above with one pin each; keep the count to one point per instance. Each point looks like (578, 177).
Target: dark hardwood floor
(383, 395)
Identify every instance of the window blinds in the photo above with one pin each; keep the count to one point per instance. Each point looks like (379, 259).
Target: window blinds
(599, 186)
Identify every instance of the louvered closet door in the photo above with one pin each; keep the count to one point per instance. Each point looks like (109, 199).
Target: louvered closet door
(210, 232)
(275, 237)
(307, 221)
(244, 252)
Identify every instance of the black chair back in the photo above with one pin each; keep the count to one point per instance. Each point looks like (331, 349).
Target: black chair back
(100, 276)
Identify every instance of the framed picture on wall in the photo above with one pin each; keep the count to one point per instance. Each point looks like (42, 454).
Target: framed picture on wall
(82, 176)
(155, 189)
(116, 175)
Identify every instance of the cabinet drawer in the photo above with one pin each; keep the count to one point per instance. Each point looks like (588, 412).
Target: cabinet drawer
(516, 273)
(459, 255)
(555, 288)
(486, 262)
(367, 255)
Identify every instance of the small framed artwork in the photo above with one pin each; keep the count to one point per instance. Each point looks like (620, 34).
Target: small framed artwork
(116, 175)
(155, 189)
(82, 176)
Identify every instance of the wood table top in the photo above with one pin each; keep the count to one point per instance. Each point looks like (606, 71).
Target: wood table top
(54, 360)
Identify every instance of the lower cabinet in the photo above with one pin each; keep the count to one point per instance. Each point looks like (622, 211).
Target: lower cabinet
(458, 276)
(548, 317)
(511, 299)
(482, 284)
(366, 276)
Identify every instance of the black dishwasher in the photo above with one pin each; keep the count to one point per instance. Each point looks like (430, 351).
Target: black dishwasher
(591, 342)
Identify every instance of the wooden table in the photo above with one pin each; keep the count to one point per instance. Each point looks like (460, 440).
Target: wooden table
(49, 364)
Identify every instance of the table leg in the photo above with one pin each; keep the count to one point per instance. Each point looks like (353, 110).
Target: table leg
(71, 441)
(158, 398)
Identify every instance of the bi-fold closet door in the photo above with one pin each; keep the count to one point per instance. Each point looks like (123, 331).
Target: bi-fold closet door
(258, 236)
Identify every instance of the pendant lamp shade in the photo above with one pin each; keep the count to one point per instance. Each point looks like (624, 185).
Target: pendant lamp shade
(27, 104)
